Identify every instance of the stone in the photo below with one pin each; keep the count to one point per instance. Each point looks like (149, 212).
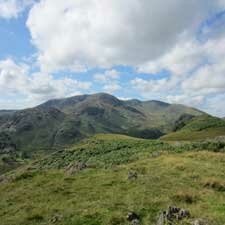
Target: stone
(131, 216)
(132, 175)
(56, 218)
(161, 219)
(135, 222)
(184, 213)
(199, 222)
(171, 215)
(173, 209)
(156, 154)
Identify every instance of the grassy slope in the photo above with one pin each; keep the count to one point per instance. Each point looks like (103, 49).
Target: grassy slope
(198, 128)
(103, 195)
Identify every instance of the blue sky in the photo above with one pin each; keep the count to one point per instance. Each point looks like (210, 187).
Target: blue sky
(50, 49)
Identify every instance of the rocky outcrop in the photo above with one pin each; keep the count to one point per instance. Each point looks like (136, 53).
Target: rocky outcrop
(133, 218)
(132, 175)
(172, 215)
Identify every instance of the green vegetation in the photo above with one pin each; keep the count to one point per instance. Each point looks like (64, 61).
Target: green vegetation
(203, 122)
(190, 176)
(7, 163)
(104, 151)
(199, 128)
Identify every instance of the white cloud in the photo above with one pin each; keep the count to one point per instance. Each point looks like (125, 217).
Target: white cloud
(37, 87)
(12, 8)
(13, 77)
(107, 76)
(151, 86)
(111, 88)
(110, 80)
(124, 98)
(197, 72)
(185, 99)
(148, 35)
(180, 60)
(215, 105)
(210, 79)
(87, 33)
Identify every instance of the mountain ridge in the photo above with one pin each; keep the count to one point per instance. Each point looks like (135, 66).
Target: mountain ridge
(61, 122)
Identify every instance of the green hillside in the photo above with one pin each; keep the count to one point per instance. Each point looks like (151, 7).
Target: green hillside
(62, 122)
(199, 128)
(100, 180)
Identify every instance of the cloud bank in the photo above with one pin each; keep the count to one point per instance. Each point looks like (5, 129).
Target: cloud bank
(175, 49)
(12, 8)
(96, 33)
(16, 80)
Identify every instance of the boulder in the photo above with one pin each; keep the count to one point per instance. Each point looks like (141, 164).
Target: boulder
(131, 216)
(132, 175)
(171, 215)
(183, 213)
(135, 222)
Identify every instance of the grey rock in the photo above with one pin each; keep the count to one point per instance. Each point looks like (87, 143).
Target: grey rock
(132, 175)
(131, 216)
(161, 220)
(172, 214)
(135, 222)
(156, 154)
(184, 213)
(56, 218)
(199, 222)
(173, 209)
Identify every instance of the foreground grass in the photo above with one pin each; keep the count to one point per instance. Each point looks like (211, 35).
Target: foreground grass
(103, 195)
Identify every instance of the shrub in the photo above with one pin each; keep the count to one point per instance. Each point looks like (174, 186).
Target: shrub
(185, 197)
(215, 184)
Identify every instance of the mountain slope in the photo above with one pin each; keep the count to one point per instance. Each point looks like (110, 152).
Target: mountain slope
(62, 122)
(200, 127)
(121, 175)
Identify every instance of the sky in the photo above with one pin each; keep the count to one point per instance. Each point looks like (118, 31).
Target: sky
(172, 51)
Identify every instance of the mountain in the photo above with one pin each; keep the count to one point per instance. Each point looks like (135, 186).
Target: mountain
(62, 122)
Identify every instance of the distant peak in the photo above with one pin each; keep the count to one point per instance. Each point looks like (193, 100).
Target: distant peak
(107, 98)
(158, 102)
